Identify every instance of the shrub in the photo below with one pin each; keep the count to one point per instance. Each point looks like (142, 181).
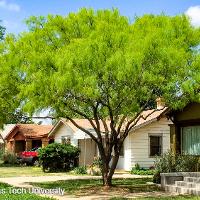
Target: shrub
(166, 162)
(171, 162)
(187, 163)
(97, 162)
(10, 158)
(143, 172)
(156, 177)
(95, 169)
(58, 157)
(80, 170)
(137, 166)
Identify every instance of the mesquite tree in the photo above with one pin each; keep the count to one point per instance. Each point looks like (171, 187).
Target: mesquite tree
(99, 66)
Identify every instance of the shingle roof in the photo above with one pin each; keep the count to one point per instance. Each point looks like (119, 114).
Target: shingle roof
(83, 123)
(148, 117)
(32, 130)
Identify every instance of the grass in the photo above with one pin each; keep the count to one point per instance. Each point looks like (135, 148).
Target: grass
(15, 171)
(121, 187)
(91, 187)
(7, 194)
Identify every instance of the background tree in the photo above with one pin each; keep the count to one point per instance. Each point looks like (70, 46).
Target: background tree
(2, 32)
(9, 82)
(101, 67)
(19, 117)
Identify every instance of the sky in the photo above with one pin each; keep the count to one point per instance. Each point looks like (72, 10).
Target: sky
(14, 12)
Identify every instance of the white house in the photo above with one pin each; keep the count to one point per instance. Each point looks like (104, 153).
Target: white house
(148, 138)
(64, 131)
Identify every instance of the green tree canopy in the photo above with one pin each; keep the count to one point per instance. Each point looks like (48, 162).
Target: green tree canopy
(99, 66)
(9, 82)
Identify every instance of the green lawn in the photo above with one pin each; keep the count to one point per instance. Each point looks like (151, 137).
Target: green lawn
(14, 171)
(90, 187)
(7, 193)
(121, 187)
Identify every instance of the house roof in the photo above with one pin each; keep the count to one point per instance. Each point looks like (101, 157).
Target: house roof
(148, 117)
(81, 122)
(31, 130)
(5, 131)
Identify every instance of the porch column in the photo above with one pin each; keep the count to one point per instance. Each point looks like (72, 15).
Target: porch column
(45, 142)
(28, 144)
(10, 146)
(173, 138)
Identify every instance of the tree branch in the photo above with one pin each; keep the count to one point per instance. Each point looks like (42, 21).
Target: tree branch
(81, 128)
(98, 128)
(135, 120)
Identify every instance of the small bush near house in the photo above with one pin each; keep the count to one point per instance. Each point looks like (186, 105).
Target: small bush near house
(58, 157)
(171, 162)
(10, 158)
(2, 152)
(141, 171)
(156, 177)
(95, 169)
(166, 163)
(80, 170)
(137, 166)
(97, 162)
(187, 163)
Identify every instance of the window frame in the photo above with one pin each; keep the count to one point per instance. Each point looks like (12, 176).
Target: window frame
(161, 141)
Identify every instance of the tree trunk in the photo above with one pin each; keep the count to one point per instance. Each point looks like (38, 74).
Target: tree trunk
(105, 171)
(108, 170)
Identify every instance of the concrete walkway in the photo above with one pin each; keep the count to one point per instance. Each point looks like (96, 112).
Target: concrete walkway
(23, 182)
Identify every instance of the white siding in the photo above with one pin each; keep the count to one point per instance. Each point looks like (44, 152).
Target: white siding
(137, 143)
(65, 131)
(125, 161)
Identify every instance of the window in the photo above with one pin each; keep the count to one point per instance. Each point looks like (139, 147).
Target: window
(121, 153)
(155, 145)
(65, 140)
(190, 140)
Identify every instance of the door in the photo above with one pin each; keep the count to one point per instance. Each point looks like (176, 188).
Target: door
(191, 140)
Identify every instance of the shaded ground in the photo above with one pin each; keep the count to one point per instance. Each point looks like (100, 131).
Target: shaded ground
(180, 197)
